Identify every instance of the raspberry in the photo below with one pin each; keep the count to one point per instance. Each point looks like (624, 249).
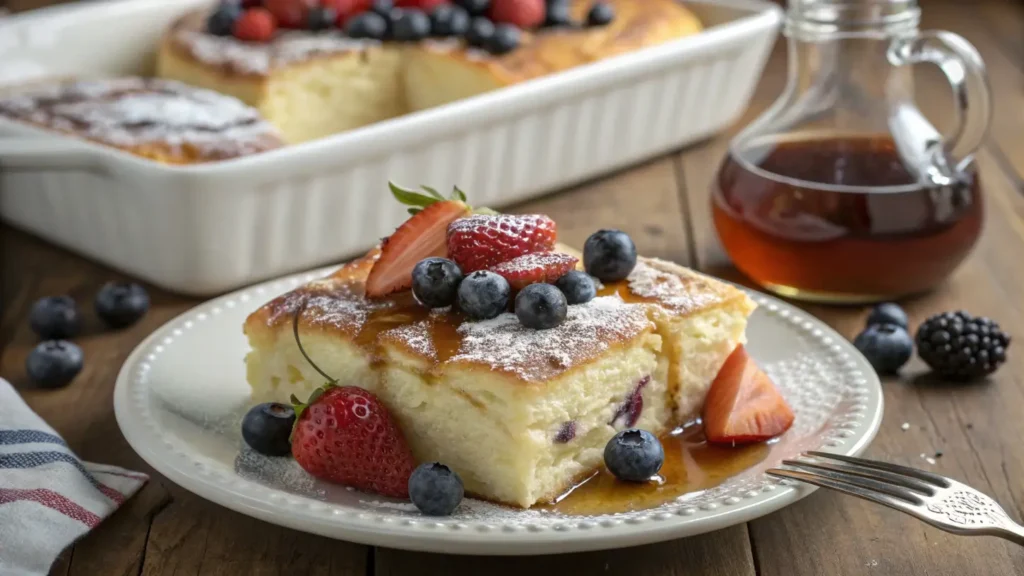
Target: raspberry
(255, 25)
(536, 268)
(525, 14)
(425, 5)
(289, 13)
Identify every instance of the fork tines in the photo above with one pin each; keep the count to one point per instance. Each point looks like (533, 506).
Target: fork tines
(893, 485)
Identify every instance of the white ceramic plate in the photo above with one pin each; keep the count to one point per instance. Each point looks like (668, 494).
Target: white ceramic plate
(181, 394)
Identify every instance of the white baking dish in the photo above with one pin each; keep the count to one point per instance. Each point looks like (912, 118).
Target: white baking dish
(208, 228)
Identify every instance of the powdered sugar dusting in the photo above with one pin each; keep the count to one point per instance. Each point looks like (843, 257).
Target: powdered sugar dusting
(415, 337)
(260, 58)
(679, 293)
(505, 345)
(327, 305)
(129, 112)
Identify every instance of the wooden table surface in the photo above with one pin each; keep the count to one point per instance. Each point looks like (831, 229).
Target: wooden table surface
(663, 204)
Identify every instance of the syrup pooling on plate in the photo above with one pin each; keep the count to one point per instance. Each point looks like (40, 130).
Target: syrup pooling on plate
(691, 465)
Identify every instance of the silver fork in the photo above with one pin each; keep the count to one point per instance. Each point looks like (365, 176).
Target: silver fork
(942, 502)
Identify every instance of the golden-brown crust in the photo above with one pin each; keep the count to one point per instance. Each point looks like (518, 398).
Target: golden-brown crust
(637, 24)
(162, 120)
(337, 305)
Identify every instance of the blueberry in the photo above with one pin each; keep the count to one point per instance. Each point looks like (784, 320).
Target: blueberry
(609, 255)
(408, 25)
(559, 14)
(483, 295)
(577, 286)
(121, 304)
(435, 282)
(435, 489)
(55, 317)
(382, 7)
(480, 32)
(367, 25)
(886, 346)
(449, 20)
(888, 313)
(474, 7)
(54, 363)
(321, 18)
(267, 428)
(600, 14)
(541, 306)
(634, 455)
(221, 21)
(505, 39)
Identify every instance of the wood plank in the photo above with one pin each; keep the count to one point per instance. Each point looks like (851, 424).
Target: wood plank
(723, 553)
(193, 537)
(1006, 73)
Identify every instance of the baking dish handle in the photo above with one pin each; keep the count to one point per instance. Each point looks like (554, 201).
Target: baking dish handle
(26, 153)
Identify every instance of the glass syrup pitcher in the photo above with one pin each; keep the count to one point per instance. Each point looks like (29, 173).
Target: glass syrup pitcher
(842, 191)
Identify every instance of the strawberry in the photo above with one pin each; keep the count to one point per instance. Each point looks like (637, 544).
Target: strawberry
(482, 241)
(419, 237)
(255, 25)
(289, 13)
(535, 268)
(345, 435)
(525, 14)
(743, 404)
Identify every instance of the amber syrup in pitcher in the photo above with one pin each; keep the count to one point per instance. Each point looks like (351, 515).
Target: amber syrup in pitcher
(842, 219)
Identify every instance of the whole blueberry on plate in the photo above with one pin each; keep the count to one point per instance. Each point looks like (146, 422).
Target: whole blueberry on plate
(435, 282)
(55, 317)
(577, 286)
(886, 346)
(480, 32)
(634, 455)
(541, 306)
(609, 255)
(483, 295)
(888, 313)
(449, 20)
(221, 22)
(505, 39)
(474, 7)
(600, 14)
(267, 428)
(369, 25)
(409, 25)
(121, 304)
(435, 489)
(54, 363)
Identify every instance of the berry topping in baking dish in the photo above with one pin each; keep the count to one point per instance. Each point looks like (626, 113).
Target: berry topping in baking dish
(495, 26)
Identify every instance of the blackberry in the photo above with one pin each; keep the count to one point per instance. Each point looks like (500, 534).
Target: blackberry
(959, 346)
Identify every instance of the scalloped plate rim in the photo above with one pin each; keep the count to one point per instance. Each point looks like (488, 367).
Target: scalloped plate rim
(445, 535)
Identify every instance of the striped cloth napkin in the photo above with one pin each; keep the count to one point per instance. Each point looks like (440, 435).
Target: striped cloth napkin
(48, 497)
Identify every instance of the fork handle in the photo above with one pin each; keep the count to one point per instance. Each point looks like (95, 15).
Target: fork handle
(1012, 532)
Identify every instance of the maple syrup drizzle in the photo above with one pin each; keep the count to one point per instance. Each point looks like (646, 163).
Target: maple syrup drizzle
(691, 465)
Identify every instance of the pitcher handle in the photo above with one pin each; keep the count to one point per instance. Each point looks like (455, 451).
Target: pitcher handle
(960, 61)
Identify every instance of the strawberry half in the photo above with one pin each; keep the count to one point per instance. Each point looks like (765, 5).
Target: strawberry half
(419, 237)
(539, 267)
(482, 241)
(346, 435)
(743, 405)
